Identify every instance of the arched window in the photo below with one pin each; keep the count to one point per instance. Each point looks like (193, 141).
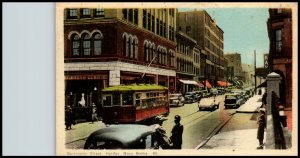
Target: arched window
(145, 52)
(75, 45)
(97, 44)
(132, 48)
(128, 46)
(154, 53)
(86, 45)
(136, 49)
(125, 49)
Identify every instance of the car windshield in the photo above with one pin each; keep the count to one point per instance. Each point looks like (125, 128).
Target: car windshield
(230, 101)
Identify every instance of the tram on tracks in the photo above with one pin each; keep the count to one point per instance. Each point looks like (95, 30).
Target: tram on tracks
(133, 103)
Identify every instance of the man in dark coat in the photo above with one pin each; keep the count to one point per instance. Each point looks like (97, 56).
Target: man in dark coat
(261, 121)
(176, 137)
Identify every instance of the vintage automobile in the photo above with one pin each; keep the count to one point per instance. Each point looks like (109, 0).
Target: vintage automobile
(125, 136)
(176, 99)
(232, 101)
(205, 93)
(199, 95)
(214, 91)
(208, 103)
(190, 97)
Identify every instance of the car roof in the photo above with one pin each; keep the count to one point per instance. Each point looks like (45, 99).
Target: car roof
(126, 134)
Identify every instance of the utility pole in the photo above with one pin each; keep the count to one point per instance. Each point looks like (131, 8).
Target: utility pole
(255, 70)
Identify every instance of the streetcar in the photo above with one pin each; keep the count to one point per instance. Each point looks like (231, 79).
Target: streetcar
(134, 103)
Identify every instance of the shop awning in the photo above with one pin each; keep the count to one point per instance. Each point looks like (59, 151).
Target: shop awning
(224, 84)
(208, 85)
(189, 82)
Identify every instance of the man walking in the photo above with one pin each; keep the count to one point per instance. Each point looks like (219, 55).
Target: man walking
(176, 137)
(261, 121)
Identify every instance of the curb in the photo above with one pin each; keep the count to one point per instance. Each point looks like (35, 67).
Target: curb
(214, 132)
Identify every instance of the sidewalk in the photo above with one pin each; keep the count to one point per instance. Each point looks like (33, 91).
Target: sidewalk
(251, 105)
(77, 132)
(240, 133)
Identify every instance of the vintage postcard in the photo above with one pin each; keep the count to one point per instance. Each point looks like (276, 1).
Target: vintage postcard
(153, 79)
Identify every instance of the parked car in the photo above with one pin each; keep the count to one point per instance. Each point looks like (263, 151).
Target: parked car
(199, 95)
(214, 91)
(124, 136)
(205, 93)
(232, 101)
(176, 99)
(221, 91)
(190, 97)
(208, 103)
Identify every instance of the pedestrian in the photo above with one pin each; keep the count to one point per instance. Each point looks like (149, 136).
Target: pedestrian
(176, 137)
(68, 117)
(264, 100)
(94, 113)
(261, 121)
(163, 141)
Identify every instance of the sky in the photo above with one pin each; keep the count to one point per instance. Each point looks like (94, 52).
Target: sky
(245, 31)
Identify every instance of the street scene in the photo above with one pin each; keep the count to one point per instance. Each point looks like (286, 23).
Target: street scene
(178, 78)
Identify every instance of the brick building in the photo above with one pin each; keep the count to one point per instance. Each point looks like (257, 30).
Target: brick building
(105, 47)
(280, 53)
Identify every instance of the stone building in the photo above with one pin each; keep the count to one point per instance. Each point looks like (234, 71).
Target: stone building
(234, 66)
(280, 53)
(200, 26)
(105, 47)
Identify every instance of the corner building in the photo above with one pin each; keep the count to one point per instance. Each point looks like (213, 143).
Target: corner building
(106, 47)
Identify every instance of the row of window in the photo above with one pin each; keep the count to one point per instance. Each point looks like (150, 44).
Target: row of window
(185, 65)
(130, 46)
(85, 13)
(86, 43)
(183, 48)
(131, 15)
(159, 55)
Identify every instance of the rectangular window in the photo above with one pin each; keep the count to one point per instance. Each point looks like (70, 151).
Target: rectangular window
(153, 23)
(161, 28)
(144, 18)
(99, 12)
(106, 100)
(165, 30)
(86, 13)
(72, 14)
(125, 14)
(157, 26)
(149, 21)
(136, 16)
(278, 36)
(188, 29)
(130, 18)
(116, 99)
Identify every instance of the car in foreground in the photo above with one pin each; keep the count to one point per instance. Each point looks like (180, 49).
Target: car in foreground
(232, 101)
(176, 99)
(124, 136)
(208, 103)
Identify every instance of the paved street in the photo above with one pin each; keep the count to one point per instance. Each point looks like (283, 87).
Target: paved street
(198, 125)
